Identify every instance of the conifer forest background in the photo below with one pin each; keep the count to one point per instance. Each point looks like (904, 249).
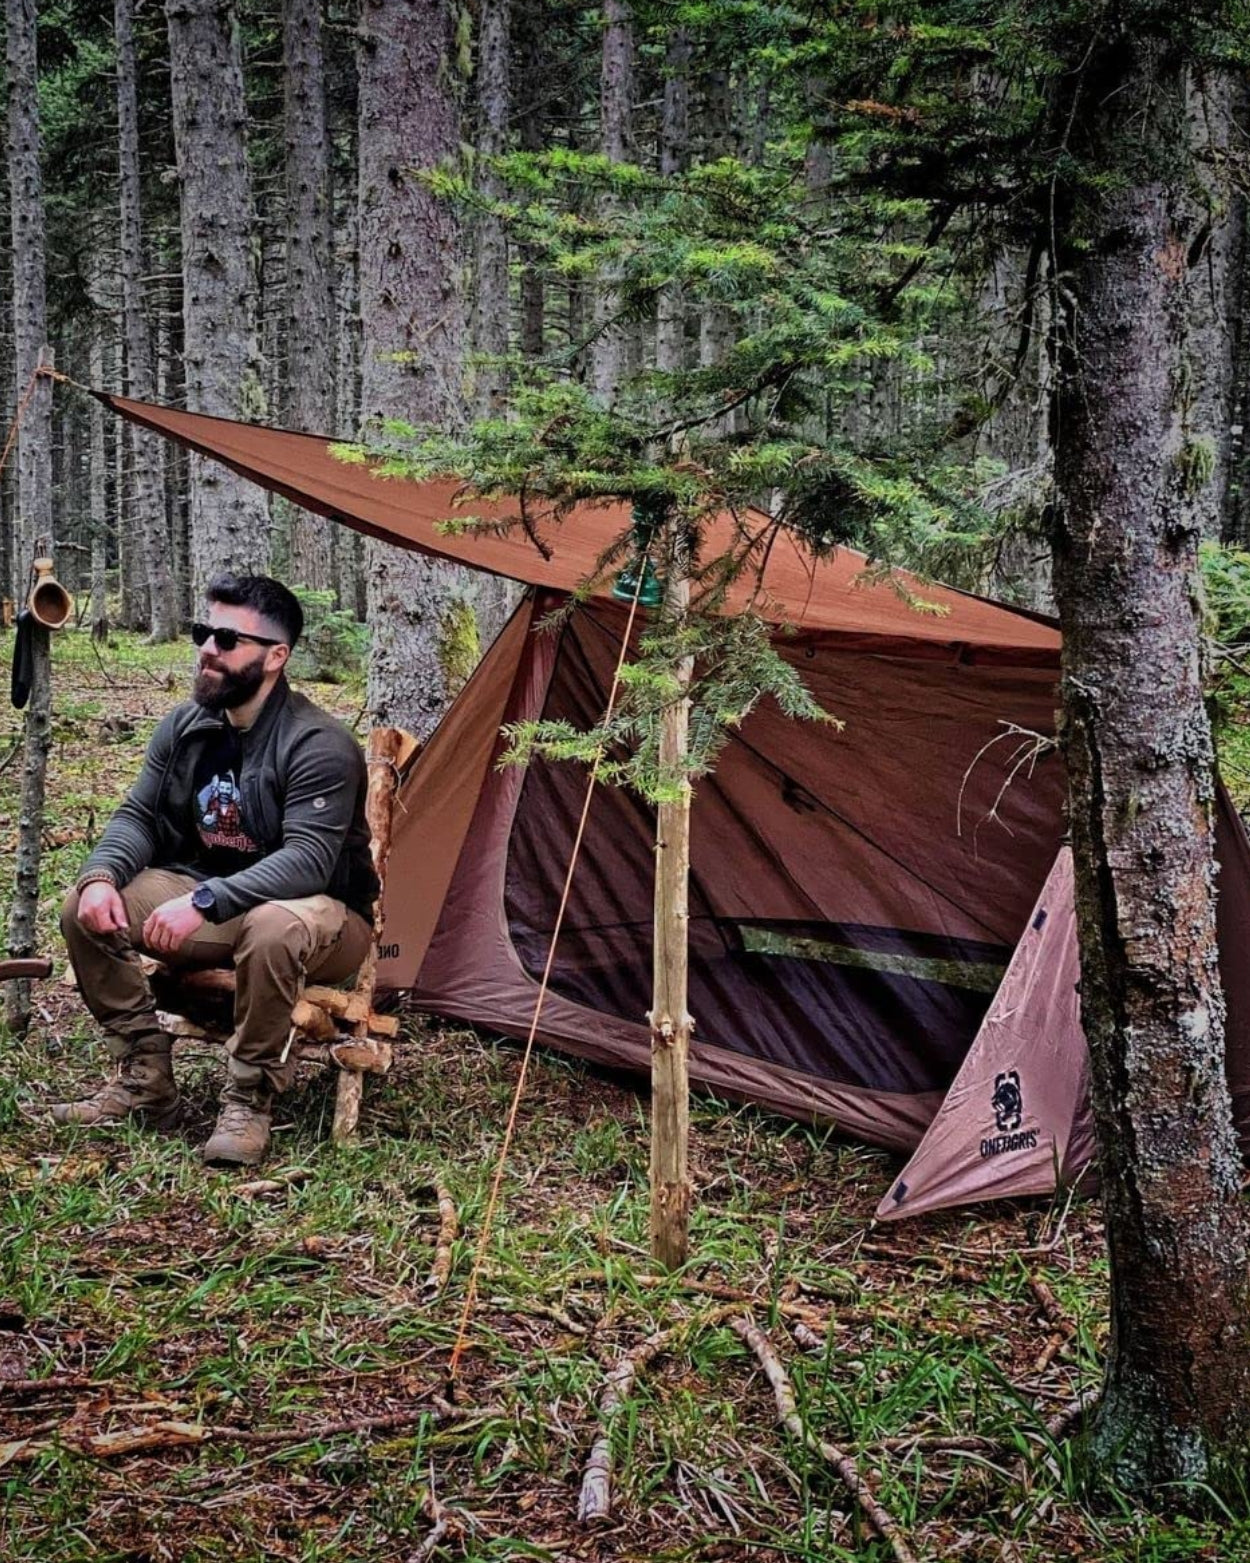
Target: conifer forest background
(965, 286)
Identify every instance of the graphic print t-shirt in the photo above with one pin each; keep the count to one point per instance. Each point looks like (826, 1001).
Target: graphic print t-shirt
(226, 844)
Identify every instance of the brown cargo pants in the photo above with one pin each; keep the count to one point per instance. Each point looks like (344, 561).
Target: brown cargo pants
(272, 949)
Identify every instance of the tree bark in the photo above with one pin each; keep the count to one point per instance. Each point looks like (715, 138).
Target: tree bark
(1177, 1394)
(496, 597)
(609, 355)
(229, 516)
(98, 492)
(533, 65)
(149, 502)
(715, 321)
(424, 629)
(1217, 350)
(310, 317)
(30, 324)
(670, 324)
(490, 309)
(348, 545)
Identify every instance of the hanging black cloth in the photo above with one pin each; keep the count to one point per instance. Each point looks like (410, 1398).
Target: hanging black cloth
(23, 658)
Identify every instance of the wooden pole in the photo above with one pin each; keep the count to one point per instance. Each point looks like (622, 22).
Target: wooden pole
(670, 1022)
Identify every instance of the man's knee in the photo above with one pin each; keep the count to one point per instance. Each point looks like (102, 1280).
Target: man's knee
(273, 929)
(69, 915)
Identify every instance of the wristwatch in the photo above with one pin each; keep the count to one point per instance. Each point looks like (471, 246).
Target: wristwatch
(203, 900)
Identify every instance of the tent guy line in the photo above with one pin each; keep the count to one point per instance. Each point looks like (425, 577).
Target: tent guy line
(479, 1253)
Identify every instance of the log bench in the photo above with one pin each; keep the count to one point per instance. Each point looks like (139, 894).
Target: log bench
(334, 1026)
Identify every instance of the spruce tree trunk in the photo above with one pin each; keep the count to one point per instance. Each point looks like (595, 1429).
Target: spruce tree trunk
(530, 135)
(1176, 1401)
(1218, 107)
(148, 511)
(421, 614)
(348, 545)
(310, 318)
(716, 322)
(670, 324)
(229, 516)
(30, 326)
(98, 492)
(490, 304)
(496, 597)
(170, 389)
(610, 351)
(34, 478)
(1010, 335)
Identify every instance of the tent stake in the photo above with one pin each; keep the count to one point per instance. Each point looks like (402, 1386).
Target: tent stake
(670, 1022)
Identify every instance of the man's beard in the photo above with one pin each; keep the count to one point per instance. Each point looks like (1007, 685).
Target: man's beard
(222, 690)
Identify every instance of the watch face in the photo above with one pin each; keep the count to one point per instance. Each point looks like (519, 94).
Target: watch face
(202, 898)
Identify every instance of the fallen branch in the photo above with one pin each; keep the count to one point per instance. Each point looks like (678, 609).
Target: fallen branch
(595, 1502)
(1062, 1328)
(389, 1422)
(448, 1230)
(36, 1386)
(168, 1434)
(787, 1411)
(107, 1446)
(723, 1293)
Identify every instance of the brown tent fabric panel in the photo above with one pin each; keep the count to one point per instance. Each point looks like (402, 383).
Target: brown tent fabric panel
(1016, 1115)
(472, 971)
(795, 587)
(446, 778)
(845, 938)
(1232, 852)
(1017, 1118)
(840, 927)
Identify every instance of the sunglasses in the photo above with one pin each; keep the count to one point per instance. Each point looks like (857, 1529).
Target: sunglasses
(227, 639)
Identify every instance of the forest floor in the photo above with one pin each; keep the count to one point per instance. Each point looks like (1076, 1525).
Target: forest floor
(252, 1366)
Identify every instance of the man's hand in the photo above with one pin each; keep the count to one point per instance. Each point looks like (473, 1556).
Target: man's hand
(101, 908)
(170, 924)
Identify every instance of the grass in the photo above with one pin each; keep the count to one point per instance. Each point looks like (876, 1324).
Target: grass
(148, 1290)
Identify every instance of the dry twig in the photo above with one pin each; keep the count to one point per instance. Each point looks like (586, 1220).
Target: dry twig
(787, 1411)
(448, 1230)
(595, 1503)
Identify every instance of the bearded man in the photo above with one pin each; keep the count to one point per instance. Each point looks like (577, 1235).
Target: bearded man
(242, 843)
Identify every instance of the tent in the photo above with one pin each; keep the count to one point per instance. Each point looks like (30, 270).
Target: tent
(880, 920)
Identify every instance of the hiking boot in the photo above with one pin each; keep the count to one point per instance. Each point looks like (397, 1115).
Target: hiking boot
(143, 1088)
(241, 1137)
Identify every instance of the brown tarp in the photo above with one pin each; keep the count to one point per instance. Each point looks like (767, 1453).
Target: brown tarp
(791, 586)
(856, 895)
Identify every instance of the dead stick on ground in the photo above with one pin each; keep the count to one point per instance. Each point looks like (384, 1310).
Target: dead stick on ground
(448, 1230)
(595, 1503)
(787, 1310)
(36, 1386)
(1061, 1326)
(439, 1411)
(787, 1411)
(1059, 1426)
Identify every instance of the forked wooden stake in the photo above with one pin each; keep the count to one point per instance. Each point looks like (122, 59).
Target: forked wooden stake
(670, 1022)
(390, 753)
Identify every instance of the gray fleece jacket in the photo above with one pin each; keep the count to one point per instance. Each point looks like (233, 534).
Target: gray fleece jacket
(303, 781)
